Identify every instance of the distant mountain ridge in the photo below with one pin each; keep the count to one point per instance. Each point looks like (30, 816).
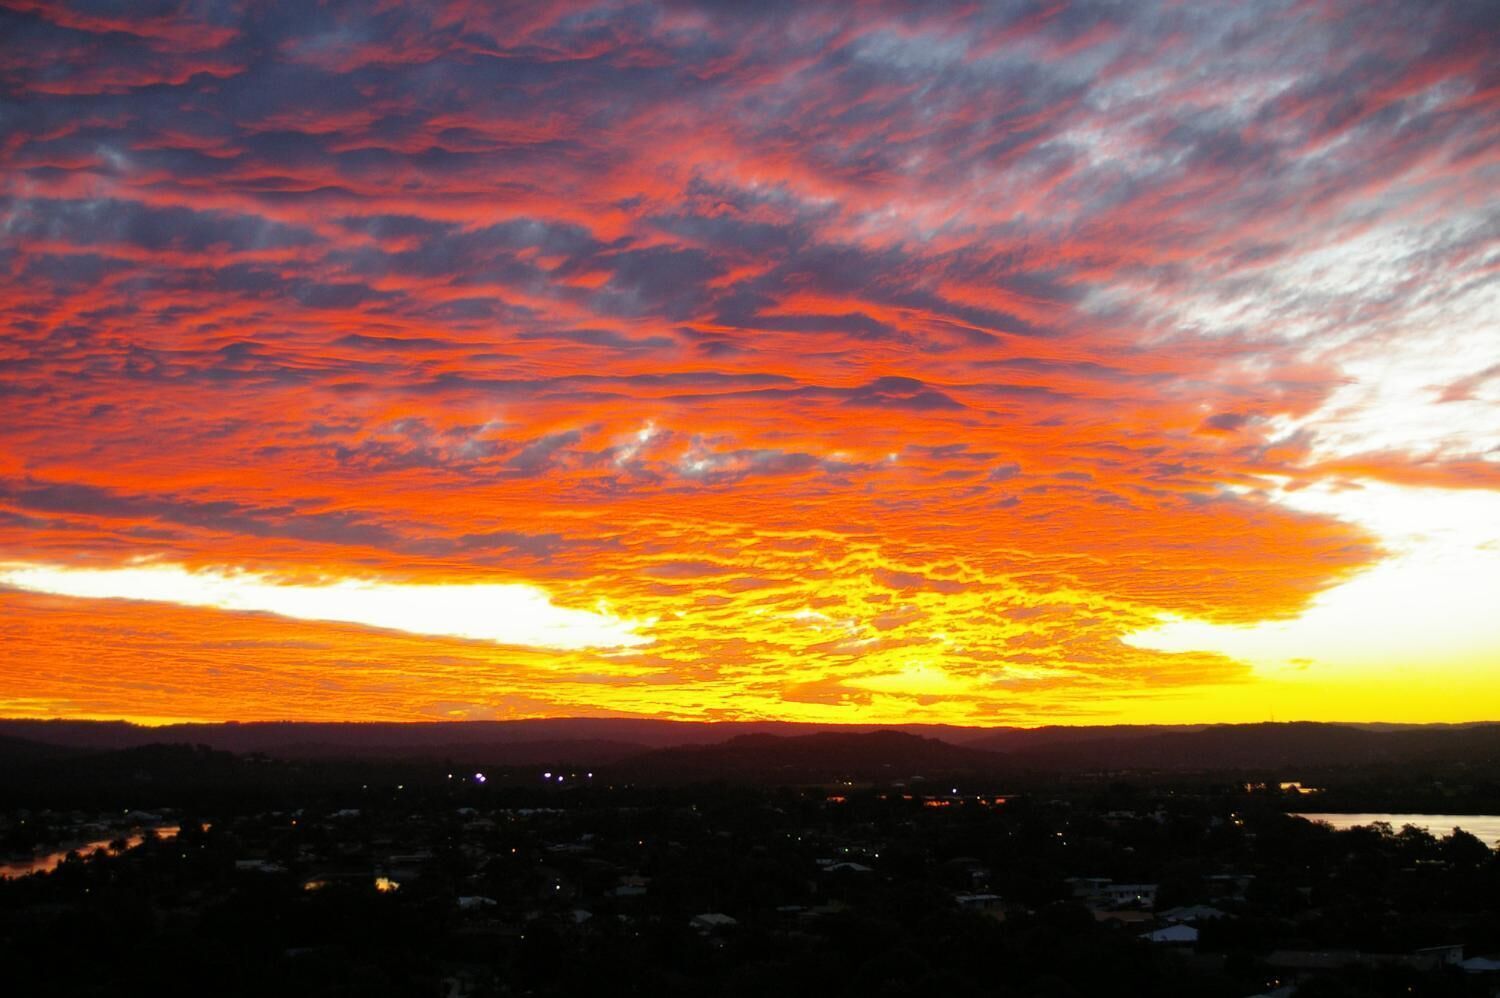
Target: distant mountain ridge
(273, 737)
(647, 749)
(1259, 746)
(891, 756)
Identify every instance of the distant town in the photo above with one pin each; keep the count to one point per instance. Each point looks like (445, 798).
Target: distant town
(248, 874)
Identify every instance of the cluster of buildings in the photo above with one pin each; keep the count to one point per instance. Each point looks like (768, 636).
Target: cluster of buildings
(491, 871)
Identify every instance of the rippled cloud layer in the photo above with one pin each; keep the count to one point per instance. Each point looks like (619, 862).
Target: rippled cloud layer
(898, 362)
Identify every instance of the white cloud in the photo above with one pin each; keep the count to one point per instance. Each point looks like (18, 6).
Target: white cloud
(1431, 604)
(507, 613)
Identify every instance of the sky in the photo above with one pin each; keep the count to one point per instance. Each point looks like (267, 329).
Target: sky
(1013, 363)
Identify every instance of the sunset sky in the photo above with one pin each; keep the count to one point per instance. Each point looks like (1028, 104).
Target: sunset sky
(989, 364)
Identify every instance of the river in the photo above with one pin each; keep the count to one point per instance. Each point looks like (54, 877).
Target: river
(1485, 827)
(49, 861)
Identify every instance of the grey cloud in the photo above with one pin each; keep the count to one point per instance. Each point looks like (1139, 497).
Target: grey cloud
(106, 221)
(287, 521)
(602, 338)
(1228, 421)
(538, 455)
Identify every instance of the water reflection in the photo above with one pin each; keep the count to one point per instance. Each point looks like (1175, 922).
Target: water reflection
(1485, 827)
(47, 862)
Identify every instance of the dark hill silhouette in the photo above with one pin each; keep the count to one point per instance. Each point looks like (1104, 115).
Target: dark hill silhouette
(287, 738)
(579, 751)
(24, 751)
(756, 748)
(189, 776)
(34, 774)
(888, 756)
(132, 775)
(1263, 746)
(1014, 739)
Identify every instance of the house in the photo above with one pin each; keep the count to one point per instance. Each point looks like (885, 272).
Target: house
(1306, 961)
(1087, 887)
(1174, 935)
(319, 881)
(1193, 913)
(1230, 884)
(410, 860)
(1130, 895)
(713, 920)
(1435, 957)
(1302, 961)
(1124, 916)
(977, 902)
(967, 870)
(1481, 965)
(476, 903)
(570, 848)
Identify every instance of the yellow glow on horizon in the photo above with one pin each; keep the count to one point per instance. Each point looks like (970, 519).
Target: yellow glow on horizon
(506, 613)
(1427, 614)
(916, 680)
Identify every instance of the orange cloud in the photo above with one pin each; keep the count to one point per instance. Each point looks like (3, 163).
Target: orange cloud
(873, 367)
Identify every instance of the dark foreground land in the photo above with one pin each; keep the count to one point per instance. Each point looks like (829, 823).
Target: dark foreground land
(855, 864)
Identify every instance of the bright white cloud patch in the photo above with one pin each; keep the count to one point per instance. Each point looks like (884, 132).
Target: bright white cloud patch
(511, 613)
(1430, 604)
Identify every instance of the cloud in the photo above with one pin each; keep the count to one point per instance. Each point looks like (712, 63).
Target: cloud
(1067, 305)
(506, 613)
(901, 393)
